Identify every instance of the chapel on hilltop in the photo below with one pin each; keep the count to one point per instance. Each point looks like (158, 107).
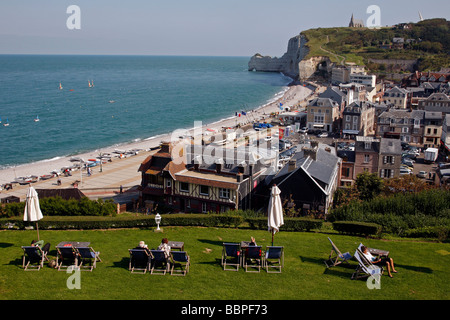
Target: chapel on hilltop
(355, 23)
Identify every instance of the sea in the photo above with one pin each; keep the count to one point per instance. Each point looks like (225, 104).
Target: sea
(109, 101)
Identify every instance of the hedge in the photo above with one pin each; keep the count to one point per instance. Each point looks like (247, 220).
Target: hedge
(357, 228)
(201, 220)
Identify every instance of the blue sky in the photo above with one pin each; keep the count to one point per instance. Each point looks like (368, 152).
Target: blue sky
(186, 27)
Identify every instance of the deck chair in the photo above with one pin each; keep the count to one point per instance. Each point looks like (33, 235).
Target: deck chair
(139, 260)
(33, 258)
(252, 259)
(182, 259)
(365, 267)
(87, 255)
(336, 257)
(231, 256)
(273, 258)
(65, 257)
(159, 263)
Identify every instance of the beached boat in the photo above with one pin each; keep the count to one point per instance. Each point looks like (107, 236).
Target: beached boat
(76, 159)
(46, 176)
(27, 180)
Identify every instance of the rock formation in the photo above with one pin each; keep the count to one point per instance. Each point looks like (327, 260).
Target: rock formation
(287, 64)
(292, 63)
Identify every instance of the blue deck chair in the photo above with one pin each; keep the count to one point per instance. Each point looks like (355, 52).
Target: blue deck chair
(366, 268)
(139, 260)
(336, 257)
(87, 255)
(33, 258)
(231, 256)
(65, 257)
(159, 263)
(252, 258)
(274, 258)
(182, 259)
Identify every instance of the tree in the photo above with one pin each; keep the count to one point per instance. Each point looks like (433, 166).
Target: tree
(369, 185)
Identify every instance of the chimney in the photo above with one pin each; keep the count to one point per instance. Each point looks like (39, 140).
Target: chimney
(292, 165)
(314, 144)
(310, 152)
(219, 165)
(239, 177)
(165, 147)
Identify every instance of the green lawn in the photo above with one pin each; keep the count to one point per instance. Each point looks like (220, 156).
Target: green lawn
(422, 266)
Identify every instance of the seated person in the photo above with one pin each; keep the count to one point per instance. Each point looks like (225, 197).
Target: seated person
(164, 246)
(389, 262)
(45, 248)
(142, 245)
(252, 242)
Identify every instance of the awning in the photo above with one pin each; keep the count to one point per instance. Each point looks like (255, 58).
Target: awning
(318, 126)
(152, 171)
(350, 131)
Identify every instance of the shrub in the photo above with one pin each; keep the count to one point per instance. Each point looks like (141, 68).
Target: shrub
(357, 228)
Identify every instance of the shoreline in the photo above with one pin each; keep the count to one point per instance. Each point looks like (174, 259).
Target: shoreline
(292, 95)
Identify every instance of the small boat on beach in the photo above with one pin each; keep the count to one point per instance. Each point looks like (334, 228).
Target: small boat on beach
(46, 176)
(27, 180)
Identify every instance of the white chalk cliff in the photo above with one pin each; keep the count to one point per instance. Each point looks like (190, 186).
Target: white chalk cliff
(292, 63)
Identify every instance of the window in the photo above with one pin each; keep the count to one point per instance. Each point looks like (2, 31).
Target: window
(366, 158)
(184, 187)
(348, 118)
(204, 190)
(319, 118)
(204, 207)
(405, 129)
(168, 183)
(224, 193)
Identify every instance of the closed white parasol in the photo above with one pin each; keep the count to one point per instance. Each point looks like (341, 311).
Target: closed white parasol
(32, 208)
(275, 214)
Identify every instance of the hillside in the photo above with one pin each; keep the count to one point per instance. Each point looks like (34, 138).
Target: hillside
(425, 45)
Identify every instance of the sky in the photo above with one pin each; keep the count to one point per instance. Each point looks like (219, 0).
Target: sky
(186, 27)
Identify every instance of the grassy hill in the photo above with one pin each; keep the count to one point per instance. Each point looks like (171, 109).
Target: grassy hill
(427, 41)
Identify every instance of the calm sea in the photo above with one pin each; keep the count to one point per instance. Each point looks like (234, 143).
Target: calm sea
(133, 98)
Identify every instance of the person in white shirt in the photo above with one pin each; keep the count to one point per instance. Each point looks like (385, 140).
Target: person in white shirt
(389, 262)
(164, 246)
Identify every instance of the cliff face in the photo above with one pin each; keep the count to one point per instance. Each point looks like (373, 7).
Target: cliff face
(288, 64)
(292, 63)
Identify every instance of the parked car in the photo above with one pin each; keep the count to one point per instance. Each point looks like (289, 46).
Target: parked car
(408, 162)
(323, 134)
(406, 167)
(303, 130)
(422, 174)
(405, 171)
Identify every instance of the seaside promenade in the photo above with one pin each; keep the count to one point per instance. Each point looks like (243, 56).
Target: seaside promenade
(104, 184)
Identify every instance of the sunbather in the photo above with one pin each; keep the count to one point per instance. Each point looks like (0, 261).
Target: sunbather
(164, 246)
(45, 248)
(389, 262)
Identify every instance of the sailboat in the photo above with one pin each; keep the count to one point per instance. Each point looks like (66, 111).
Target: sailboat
(6, 124)
(36, 119)
(92, 83)
(89, 82)
(60, 86)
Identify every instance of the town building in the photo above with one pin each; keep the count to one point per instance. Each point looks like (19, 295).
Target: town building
(358, 119)
(367, 152)
(390, 158)
(399, 97)
(438, 102)
(445, 137)
(432, 129)
(406, 125)
(310, 178)
(323, 114)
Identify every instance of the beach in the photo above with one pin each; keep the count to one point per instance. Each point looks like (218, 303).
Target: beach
(292, 97)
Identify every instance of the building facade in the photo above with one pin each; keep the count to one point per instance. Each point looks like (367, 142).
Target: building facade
(323, 114)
